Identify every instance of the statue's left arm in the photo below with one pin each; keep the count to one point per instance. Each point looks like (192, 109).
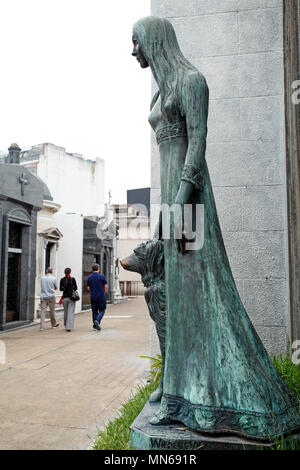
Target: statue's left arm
(195, 107)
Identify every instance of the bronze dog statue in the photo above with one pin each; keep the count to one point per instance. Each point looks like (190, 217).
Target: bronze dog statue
(147, 259)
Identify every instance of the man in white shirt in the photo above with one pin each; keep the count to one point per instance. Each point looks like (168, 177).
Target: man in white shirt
(48, 288)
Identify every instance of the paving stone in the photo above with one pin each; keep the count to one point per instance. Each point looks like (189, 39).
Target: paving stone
(60, 387)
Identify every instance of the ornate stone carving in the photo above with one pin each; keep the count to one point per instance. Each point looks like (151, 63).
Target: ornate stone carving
(169, 132)
(194, 176)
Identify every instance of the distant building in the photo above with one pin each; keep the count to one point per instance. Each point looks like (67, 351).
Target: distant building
(76, 183)
(139, 198)
(134, 228)
(99, 237)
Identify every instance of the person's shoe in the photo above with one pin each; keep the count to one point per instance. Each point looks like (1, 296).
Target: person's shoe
(42, 329)
(96, 325)
(55, 326)
(68, 330)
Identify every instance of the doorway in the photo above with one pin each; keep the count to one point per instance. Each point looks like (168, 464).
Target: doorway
(48, 253)
(88, 260)
(13, 272)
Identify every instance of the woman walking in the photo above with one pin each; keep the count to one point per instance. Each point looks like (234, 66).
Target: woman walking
(67, 286)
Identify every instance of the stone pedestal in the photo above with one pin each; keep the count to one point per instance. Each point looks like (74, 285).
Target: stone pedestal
(177, 437)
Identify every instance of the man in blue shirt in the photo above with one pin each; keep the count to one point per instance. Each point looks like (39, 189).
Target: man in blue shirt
(97, 287)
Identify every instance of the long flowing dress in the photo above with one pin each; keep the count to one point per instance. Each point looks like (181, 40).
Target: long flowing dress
(218, 376)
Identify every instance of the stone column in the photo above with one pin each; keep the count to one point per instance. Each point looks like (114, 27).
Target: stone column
(43, 242)
(27, 276)
(54, 259)
(5, 235)
(291, 18)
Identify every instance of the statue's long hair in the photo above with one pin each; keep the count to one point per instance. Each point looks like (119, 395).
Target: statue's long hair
(159, 45)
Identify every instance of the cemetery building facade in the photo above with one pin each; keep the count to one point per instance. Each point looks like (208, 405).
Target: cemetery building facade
(69, 230)
(64, 223)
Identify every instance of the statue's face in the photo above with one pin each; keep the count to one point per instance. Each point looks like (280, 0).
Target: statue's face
(138, 53)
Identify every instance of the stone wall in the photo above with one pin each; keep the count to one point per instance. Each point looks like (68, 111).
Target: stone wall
(238, 46)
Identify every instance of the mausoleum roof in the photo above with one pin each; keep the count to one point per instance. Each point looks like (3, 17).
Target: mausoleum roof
(46, 192)
(14, 146)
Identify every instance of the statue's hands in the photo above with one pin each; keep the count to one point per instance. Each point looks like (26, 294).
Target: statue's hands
(180, 229)
(181, 244)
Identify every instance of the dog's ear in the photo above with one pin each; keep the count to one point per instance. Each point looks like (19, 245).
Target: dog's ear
(140, 251)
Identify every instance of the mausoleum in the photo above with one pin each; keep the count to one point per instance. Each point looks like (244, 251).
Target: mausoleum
(21, 197)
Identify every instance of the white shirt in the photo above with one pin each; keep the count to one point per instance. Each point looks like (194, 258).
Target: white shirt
(48, 285)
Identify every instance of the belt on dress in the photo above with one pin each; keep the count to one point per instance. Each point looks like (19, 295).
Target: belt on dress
(168, 132)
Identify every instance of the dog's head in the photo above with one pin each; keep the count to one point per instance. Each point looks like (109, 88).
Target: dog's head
(147, 259)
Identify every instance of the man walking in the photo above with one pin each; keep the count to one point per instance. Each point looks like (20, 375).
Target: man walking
(48, 288)
(97, 287)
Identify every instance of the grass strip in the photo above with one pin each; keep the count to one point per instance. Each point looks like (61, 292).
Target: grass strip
(116, 434)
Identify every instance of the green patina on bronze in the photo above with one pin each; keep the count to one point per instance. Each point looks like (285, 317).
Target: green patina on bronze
(218, 375)
(147, 259)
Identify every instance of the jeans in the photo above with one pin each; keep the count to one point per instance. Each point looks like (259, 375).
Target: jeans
(98, 309)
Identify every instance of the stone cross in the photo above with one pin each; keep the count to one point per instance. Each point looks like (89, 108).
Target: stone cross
(23, 182)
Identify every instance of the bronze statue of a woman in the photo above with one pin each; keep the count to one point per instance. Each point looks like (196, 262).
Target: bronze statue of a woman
(218, 376)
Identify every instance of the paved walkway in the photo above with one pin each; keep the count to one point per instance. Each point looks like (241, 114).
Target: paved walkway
(57, 388)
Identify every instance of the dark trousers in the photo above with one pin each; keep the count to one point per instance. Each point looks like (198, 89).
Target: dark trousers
(98, 309)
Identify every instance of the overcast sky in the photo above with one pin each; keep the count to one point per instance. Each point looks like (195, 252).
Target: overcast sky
(67, 77)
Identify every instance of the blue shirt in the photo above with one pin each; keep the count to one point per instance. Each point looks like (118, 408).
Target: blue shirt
(96, 283)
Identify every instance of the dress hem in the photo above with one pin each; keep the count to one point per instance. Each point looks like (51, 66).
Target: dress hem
(249, 424)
